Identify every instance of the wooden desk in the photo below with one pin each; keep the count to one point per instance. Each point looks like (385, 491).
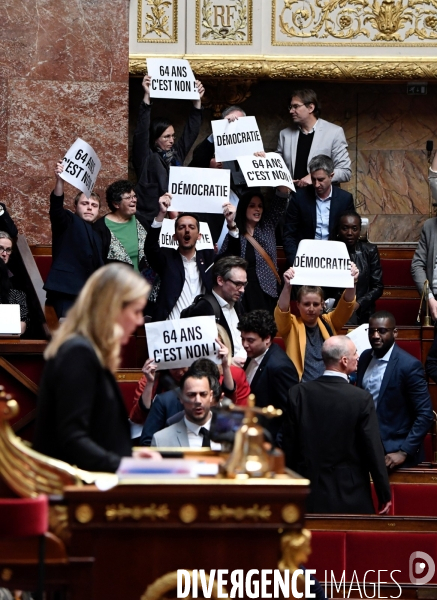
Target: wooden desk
(138, 533)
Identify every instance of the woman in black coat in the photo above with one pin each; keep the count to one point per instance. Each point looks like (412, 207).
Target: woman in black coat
(81, 416)
(366, 257)
(155, 149)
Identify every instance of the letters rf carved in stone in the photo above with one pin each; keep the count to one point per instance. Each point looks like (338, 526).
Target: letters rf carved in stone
(157, 21)
(224, 22)
(358, 20)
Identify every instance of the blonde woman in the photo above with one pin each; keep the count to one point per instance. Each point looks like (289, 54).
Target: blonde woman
(81, 414)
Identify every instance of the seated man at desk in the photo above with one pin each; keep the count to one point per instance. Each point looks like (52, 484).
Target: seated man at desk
(196, 396)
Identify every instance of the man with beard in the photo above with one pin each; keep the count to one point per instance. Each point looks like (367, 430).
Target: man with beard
(185, 273)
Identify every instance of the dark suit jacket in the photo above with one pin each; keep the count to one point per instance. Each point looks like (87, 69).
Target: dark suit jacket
(331, 436)
(81, 416)
(76, 250)
(301, 217)
(275, 376)
(167, 262)
(163, 407)
(404, 407)
(6, 222)
(203, 308)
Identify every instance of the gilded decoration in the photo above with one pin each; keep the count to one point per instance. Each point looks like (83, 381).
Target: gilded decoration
(290, 513)
(239, 513)
(188, 513)
(121, 512)
(157, 21)
(218, 22)
(354, 20)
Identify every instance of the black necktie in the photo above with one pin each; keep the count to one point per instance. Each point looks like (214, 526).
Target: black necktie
(206, 437)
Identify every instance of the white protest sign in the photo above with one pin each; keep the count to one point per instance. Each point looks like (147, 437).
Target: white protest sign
(270, 171)
(171, 78)
(166, 239)
(81, 167)
(199, 190)
(239, 138)
(360, 337)
(178, 343)
(323, 263)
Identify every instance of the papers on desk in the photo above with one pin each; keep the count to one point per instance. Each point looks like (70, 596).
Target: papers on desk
(168, 468)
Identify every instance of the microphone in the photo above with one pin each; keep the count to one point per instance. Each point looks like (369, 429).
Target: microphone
(429, 148)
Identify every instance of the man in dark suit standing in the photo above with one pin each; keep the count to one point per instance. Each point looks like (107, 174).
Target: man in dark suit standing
(76, 247)
(331, 436)
(269, 371)
(396, 380)
(184, 272)
(313, 211)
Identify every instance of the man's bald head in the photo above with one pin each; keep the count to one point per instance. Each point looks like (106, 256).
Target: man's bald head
(340, 354)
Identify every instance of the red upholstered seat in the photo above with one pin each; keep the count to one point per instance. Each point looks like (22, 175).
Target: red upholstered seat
(404, 310)
(414, 500)
(328, 553)
(397, 272)
(413, 347)
(128, 390)
(43, 263)
(24, 516)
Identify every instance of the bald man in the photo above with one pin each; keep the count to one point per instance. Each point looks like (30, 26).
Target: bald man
(331, 436)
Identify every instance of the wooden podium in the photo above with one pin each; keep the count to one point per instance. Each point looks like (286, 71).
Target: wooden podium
(138, 536)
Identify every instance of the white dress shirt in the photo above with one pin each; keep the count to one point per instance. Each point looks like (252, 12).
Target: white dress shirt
(330, 373)
(232, 321)
(323, 208)
(195, 439)
(253, 366)
(375, 373)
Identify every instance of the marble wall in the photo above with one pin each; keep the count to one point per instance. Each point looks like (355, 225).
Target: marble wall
(386, 130)
(63, 74)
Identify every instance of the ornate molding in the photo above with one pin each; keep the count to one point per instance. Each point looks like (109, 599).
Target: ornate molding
(239, 513)
(121, 512)
(217, 23)
(157, 21)
(305, 67)
(358, 20)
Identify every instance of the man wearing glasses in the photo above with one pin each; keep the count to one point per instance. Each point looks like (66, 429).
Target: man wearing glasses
(310, 136)
(396, 380)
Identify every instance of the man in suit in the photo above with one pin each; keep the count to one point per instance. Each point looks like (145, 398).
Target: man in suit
(269, 371)
(184, 272)
(310, 136)
(313, 211)
(76, 247)
(230, 279)
(396, 380)
(423, 263)
(331, 436)
(192, 430)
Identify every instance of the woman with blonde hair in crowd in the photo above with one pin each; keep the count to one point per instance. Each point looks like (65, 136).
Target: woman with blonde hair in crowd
(81, 417)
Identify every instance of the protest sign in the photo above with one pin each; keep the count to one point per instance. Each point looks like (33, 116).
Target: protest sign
(270, 171)
(178, 343)
(171, 78)
(199, 190)
(166, 239)
(81, 167)
(323, 263)
(239, 138)
(360, 337)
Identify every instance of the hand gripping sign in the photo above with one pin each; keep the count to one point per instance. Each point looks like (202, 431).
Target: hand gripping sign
(171, 78)
(166, 239)
(239, 138)
(199, 190)
(269, 171)
(322, 263)
(81, 167)
(178, 343)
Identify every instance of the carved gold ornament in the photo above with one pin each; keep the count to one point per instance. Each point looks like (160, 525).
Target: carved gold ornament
(188, 513)
(220, 23)
(84, 513)
(168, 582)
(157, 21)
(137, 513)
(378, 21)
(239, 513)
(290, 513)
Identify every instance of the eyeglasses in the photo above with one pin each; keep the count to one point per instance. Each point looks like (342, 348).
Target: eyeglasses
(167, 137)
(131, 197)
(5, 250)
(295, 106)
(238, 284)
(380, 330)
